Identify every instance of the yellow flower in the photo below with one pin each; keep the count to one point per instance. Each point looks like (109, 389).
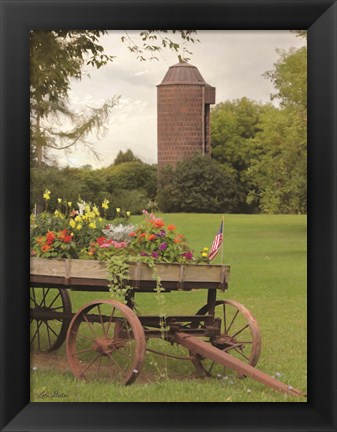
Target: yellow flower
(78, 219)
(105, 204)
(100, 219)
(72, 223)
(128, 214)
(204, 254)
(69, 203)
(205, 249)
(58, 214)
(118, 210)
(79, 226)
(46, 195)
(95, 210)
(59, 200)
(92, 225)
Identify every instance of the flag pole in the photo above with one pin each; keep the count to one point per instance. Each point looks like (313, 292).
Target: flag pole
(223, 236)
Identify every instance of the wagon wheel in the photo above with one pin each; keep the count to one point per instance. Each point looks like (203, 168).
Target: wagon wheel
(48, 333)
(239, 337)
(106, 340)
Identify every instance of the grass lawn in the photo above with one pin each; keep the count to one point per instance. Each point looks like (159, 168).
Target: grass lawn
(267, 255)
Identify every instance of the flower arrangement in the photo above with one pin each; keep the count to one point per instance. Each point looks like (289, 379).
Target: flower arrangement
(55, 245)
(82, 232)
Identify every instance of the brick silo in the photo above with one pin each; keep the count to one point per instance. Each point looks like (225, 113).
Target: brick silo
(183, 109)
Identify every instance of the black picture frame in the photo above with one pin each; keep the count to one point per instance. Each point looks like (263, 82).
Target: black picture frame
(17, 18)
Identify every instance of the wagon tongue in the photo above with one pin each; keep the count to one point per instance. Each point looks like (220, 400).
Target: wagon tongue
(207, 350)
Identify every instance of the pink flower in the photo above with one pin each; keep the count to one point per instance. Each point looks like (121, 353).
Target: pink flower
(105, 245)
(188, 255)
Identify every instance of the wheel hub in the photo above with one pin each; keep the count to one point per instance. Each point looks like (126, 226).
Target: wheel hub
(106, 345)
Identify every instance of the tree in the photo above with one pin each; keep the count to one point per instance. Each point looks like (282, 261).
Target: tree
(126, 156)
(197, 184)
(289, 77)
(57, 57)
(280, 174)
(233, 129)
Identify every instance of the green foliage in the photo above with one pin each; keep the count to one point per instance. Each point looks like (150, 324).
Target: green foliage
(289, 77)
(126, 156)
(265, 147)
(198, 184)
(234, 126)
(129, 186)
(280, 174)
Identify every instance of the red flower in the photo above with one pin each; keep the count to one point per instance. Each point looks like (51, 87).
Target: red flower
(45, 248)
(132, 234)
(50, 237)
(62, 234)
(171, 227)
(102, 240)
(157, 222)
(67, 239)
(177, 240)
(151, 237)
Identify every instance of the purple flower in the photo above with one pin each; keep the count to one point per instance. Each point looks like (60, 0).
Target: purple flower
(144, 253)
(188, 255)
(162, 233)
(163, 246)
(155, 254)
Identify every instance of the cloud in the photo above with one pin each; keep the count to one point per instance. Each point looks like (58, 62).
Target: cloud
(140, 73)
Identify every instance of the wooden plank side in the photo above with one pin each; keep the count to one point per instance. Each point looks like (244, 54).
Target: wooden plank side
(48, 267)
(91, 269)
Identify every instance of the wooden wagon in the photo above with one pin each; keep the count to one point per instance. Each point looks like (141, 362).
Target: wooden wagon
(107, 339)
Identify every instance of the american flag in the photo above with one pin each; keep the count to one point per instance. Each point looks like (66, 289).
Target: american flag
(216, 243)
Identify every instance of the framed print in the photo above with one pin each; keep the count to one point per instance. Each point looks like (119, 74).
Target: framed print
(18, 410)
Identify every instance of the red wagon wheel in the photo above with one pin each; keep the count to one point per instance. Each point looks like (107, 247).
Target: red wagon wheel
(239, 336)
(47, 331)
(106, 341)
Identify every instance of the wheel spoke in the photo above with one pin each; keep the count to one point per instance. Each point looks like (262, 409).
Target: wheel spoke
(110, 320)
(51, 329)
(240, 331)
(58, 295)
(82, 336)
(101, 319)
(81, 352)
(57, 308)
(241, 353)
(124, 354)
(44, 297)
(33, 291)
(89, 324)
(225, 317)
(114, 361)
(233, 319)
(82, 373)
(38, 324)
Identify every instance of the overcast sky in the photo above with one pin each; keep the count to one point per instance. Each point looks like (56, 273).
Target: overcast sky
(231, 61)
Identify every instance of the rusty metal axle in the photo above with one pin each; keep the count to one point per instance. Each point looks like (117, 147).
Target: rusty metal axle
(205, 349)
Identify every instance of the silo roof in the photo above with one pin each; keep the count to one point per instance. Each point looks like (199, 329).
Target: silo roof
(183, 73)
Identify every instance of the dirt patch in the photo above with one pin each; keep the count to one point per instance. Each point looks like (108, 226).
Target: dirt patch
(53, 361)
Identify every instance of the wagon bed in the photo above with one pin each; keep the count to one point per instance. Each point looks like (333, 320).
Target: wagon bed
(90, 275)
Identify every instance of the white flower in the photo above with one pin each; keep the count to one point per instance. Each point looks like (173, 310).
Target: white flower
(119, 232)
